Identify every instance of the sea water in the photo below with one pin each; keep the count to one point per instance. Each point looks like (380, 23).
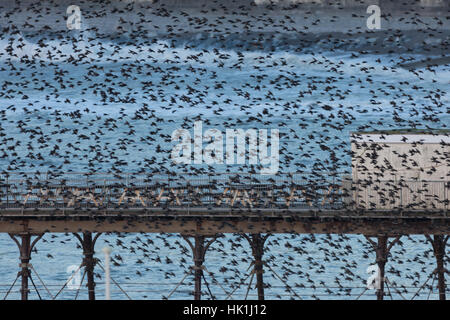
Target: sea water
(292, 87)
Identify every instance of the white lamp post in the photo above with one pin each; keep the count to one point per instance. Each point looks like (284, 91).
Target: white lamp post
(107, 251)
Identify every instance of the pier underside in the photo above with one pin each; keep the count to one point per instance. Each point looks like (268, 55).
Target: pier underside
(210, 222)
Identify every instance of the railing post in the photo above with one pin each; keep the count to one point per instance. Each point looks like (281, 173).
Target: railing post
(7, 191)
(210, 196)
(105, 203)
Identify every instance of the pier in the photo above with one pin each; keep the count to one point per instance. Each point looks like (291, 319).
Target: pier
(202, 207)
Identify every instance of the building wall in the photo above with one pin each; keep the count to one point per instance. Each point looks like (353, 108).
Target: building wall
(394, 174)
(422, 157)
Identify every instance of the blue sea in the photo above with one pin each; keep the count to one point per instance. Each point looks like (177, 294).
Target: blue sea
(115, 108)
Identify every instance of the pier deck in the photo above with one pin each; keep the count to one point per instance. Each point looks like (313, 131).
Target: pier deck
(203, 207)
(221, 203)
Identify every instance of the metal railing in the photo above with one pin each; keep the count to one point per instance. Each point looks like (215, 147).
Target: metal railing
(292, 190)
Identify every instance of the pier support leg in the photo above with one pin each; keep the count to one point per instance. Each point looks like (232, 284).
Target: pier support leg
(88, 245)
(438, 242)
(25, 257)
(199, 258)
(25, 247)
(199, 249)
(382, 249)
(89, 263)
(381, 256)
(256, 242)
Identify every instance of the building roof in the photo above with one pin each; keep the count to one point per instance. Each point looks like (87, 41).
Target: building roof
(401, 137)
(429, 131)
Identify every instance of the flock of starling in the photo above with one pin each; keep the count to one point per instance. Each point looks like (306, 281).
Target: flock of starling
(107, 97)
